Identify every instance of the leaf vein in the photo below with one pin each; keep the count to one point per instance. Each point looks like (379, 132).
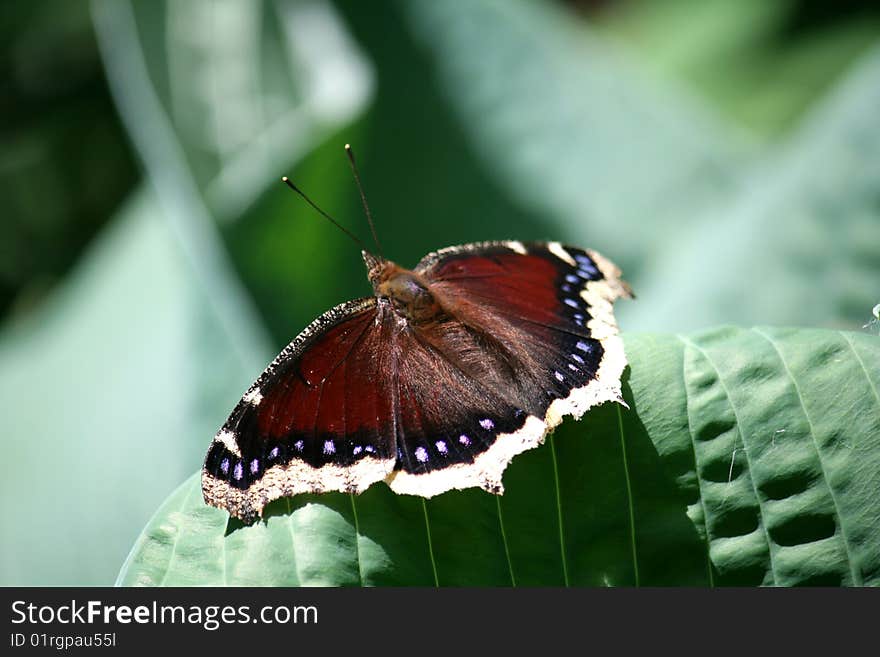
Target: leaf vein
(629, 497)
(853, 570)
(862, 364)
(559, 512)
(357, 539)
(696, 471)
(745, 452)
(288, 522)
(430, 544)
(504, 540)
(177, 536)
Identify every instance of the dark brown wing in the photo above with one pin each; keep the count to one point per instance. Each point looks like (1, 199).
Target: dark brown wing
(318, 419)
(528, 336)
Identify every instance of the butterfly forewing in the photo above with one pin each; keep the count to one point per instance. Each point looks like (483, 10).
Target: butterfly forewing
(318, 419)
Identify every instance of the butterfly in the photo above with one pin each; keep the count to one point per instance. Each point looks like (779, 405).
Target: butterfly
(435, 382)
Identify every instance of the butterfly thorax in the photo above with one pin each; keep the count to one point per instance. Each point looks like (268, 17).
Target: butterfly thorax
(407, 291)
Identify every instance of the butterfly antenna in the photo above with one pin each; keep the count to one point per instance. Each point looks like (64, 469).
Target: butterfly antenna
(333, 221)
(357, 179)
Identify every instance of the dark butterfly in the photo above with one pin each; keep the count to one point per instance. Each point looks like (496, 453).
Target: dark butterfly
(434, 383)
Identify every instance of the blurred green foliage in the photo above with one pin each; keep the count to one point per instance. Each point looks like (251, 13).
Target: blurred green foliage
(724, 153)
(65, 164)
(759, 63)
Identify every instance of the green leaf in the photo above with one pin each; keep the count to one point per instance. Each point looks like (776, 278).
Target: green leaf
(574, 131)
(800, 246)
(230, 112)
(212, 135)
(760, 63)
(747, 457)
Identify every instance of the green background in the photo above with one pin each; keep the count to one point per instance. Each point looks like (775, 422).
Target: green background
(724, 154)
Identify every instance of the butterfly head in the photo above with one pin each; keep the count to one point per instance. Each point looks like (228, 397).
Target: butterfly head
(375, 266)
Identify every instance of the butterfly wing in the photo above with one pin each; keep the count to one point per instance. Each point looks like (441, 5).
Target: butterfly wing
(318, 419)
(528, 336)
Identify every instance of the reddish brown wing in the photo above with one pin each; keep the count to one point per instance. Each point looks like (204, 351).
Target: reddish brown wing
(318, 419)
(529, 336)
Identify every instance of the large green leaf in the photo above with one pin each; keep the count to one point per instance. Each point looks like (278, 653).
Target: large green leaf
(113, 381)
(760, 63)
(229, 108)
(800, 247)
(572, 129)
(217, 120)
(747, 457)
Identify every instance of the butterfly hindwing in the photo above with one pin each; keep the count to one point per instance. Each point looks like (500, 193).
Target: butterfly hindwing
(450, 415)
